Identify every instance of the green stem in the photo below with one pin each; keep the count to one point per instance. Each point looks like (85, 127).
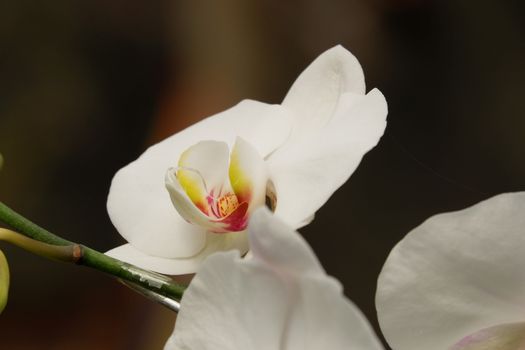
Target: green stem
(64, 253)
(157, 283)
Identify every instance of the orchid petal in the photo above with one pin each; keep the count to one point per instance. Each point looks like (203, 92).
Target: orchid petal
(274, 245)
(315, 95)
(202, 168)
(248, 174)
(139, 205)
(455, 275)
(308, 172)
(502, 337)
(280, 298)
(184, 205)
(229, 241)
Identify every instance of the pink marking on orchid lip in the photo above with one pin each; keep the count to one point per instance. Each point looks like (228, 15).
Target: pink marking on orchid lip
(212, 203)
(508, 334)
(237, 220)
(470, 339)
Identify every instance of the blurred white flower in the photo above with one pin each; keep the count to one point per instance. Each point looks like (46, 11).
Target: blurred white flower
(187, 197)
(279, 298)
(458, 281)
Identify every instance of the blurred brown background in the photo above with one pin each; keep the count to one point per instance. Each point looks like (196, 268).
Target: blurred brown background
(85, 86)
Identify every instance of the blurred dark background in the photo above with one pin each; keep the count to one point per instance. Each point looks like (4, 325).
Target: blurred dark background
(85, 87)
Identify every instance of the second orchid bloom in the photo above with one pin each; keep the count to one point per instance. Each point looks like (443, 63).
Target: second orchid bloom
(192, 194)
(455, 282)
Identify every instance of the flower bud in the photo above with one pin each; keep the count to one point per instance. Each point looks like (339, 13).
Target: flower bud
(4, 281)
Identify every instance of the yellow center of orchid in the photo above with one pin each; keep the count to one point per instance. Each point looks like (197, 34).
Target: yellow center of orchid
(227, 204)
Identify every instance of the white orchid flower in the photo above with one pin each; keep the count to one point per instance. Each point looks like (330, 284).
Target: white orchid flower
(280, 298)
(457, 281)
(189, 196)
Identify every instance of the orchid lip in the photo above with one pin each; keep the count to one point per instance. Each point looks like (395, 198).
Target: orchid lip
(218, 194)
(219, 211)
(219, 206)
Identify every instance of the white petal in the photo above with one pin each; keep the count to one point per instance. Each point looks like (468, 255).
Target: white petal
(325, 319)
(456, 274)
(214, 243)
(139, 205)
(248, 174)
(305, 174)
(278, 299)
(210, 159)
(276, 246)
(502, 337)
(314, 96)
(184, 205)
(203, 168)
